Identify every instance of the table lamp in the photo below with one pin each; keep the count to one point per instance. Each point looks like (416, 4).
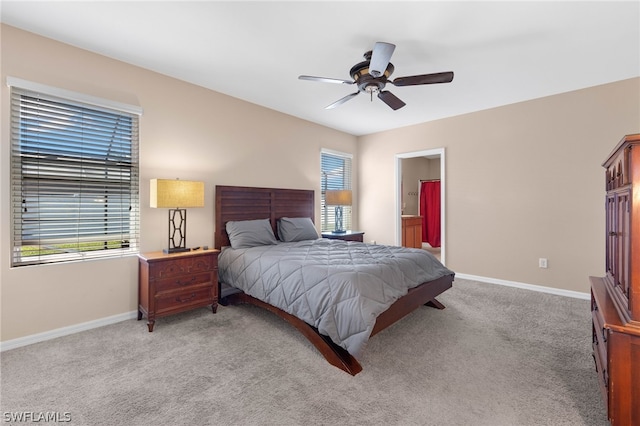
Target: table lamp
(338, 198)
(176, 195)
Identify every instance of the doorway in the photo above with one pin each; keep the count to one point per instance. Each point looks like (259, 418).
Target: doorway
(432, 154)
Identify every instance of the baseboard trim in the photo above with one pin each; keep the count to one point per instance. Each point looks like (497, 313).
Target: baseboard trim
(65, 331)
(533, 287)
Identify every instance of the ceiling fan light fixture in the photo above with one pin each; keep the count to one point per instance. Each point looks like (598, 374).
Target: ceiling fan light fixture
(371, 88)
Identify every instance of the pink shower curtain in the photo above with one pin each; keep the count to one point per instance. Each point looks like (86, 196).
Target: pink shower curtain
(430, 212)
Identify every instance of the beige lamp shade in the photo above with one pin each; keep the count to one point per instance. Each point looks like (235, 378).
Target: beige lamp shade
(175, 193)
(340, 197)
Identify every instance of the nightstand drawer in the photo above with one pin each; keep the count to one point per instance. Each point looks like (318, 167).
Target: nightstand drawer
(179, 301)
(177, 267)
(183, 281)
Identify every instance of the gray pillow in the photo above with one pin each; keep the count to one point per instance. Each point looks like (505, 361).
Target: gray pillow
(296, 229)
(250, 233)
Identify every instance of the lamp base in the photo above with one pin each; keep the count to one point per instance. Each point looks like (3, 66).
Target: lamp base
(339, 221)
(177, 231)
(339, 231)
(175, 250)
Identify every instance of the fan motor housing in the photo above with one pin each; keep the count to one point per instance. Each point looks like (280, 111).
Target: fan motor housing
(365, 81)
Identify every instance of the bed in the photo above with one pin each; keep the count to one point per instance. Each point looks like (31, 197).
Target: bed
(283, 266)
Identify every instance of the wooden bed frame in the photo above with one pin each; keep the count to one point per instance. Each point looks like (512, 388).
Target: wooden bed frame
(248, 203)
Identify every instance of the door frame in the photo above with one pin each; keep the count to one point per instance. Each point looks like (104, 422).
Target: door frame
(439, 152)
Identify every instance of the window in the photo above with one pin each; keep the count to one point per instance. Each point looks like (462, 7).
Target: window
(335, 174)
(74, 178)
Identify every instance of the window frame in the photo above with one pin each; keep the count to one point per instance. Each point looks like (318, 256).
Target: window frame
(121, 174)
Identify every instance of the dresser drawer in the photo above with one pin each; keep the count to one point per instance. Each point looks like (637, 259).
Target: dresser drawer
(600, 358)
(180, 301)
(182, 266)
(600, 342)
(600, 332)
(183, 281)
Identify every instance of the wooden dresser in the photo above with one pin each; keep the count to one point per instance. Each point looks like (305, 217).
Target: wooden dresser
(412, 231)
(172, 283)
(615, 298)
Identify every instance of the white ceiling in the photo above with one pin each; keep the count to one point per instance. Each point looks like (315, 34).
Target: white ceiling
(500, 52)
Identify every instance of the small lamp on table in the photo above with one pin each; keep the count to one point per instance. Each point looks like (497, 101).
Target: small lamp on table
(176, 195)
(338, 198)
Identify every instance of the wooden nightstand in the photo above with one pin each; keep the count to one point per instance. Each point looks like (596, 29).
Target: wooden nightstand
(172, 283)
(346, 236)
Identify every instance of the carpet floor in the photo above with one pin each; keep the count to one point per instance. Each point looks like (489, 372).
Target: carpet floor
(495, 356)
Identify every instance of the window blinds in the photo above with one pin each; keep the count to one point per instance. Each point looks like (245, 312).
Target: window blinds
(74, 179)
(335, 174)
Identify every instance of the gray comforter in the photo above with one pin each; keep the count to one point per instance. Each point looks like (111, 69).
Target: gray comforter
(336, 286)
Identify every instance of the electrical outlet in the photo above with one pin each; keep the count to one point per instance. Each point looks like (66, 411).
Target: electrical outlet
(542, 262)
(373, 242)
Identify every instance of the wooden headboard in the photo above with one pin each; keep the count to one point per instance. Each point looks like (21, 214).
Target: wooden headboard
(248, 203)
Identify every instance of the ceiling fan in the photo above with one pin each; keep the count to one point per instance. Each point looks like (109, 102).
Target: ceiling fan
(373, 74)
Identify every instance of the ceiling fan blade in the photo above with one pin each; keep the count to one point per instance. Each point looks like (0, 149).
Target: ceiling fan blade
(341, 101)
(414, 80)
(325, 79)
(390, 99)
(380, 58)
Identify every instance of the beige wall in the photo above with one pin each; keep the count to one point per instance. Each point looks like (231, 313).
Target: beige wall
(186, 132)
(523, 181)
